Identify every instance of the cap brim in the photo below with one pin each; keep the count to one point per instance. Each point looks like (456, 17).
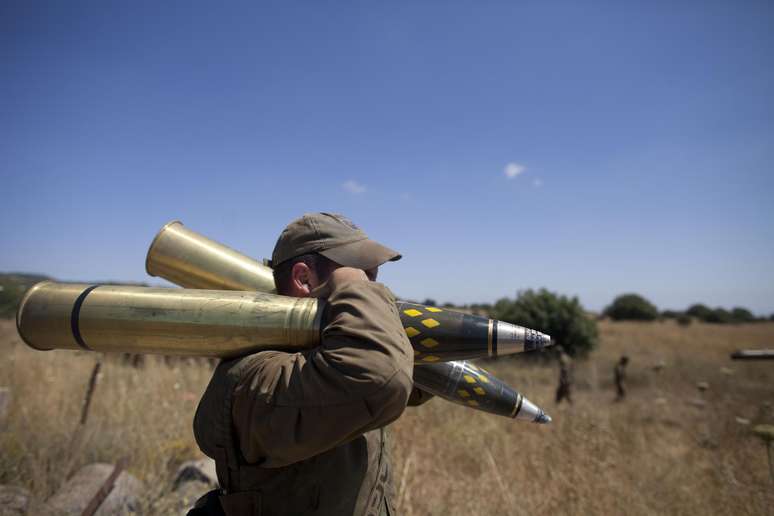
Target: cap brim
(364, 254)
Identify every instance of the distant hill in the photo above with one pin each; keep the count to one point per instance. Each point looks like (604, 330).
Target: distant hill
(13, 285)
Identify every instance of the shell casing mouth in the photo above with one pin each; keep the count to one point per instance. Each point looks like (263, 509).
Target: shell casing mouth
(191, 260)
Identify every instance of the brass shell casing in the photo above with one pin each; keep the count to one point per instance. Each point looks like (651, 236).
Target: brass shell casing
(191, 260)
(165, 321)
(447, 380)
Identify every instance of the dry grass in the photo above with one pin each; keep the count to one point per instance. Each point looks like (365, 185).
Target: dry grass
(654, 453)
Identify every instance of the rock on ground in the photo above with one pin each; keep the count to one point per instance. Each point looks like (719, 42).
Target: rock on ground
(193, 479)
(75, 494)
(13, 501)
(182, 499)
(202, 470)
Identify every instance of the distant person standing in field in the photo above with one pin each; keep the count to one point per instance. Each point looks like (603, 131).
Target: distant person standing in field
(619, 375)
(565, 377)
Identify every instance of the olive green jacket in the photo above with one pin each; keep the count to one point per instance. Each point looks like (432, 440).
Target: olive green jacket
(301, 433)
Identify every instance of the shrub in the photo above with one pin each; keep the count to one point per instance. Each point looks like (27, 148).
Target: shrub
(559, 316)
(12, 289)
(742, 315)
(684, 319)
(481, 308)
(701, 312)
(9, 299)
(631, 307)
(719, 316)
(671, 314)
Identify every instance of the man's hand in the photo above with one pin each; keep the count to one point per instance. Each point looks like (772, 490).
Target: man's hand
(339, 277)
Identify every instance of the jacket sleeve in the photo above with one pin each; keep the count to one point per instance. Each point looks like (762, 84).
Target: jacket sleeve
(288, 407)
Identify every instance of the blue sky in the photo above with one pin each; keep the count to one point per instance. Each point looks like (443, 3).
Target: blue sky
(591, 148)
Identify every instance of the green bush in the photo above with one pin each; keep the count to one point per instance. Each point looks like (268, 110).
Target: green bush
(631, 307)
(719, 316)
(12, 289)
(699, 311)
(671, 314)
(559, 316)
(9, 299)
(742, 315)
(684, 319)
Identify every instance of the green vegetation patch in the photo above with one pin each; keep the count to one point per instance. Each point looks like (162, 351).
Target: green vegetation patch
(631, 307)
(560, 316)
(12, 289)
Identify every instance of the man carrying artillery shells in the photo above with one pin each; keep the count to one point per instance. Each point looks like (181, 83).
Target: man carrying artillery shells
(300, 433)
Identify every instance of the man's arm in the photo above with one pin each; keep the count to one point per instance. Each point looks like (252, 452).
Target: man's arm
(291, 406)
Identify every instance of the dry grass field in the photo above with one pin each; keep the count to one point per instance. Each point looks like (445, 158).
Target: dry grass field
(658, 452)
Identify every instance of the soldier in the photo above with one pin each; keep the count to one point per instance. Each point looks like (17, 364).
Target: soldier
(295, 433)
(565, 377)
(619, 374)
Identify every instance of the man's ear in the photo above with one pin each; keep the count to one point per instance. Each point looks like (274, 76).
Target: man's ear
(301, 280)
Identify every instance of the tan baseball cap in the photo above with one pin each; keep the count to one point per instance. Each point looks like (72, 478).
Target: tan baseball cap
(333, 236)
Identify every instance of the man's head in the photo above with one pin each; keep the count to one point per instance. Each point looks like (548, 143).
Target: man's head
(312, 247)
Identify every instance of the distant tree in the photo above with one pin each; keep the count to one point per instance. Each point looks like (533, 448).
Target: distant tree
(699, 311)
(429, 302)
(671, 314)
(684, 319)
(742, 315)
(771, 317)
(448, 305)
(632, 307)
(481, 308)
(719, 316)
(559, 316)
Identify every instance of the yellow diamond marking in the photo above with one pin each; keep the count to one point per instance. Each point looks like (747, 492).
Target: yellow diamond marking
(417, 353)
(483, 379)
(469, 378)
(473, 403)
(463, 393)
(430, 323)
(429, 343)
(479, 391)
(412, 312)
(411, 331)
(433, 309)
(431, 358)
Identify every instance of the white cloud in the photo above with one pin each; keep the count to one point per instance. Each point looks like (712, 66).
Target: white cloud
(513, 169)
(353, 187)
(537, 182)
